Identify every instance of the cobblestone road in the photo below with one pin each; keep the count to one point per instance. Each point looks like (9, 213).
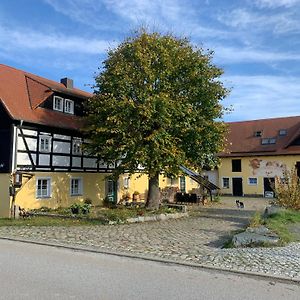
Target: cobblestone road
(196, 239)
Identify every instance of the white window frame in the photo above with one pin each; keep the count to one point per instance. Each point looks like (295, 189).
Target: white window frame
(42, 148)
(223, 186)
(40, 195)
(249, 183)
(76, 142)
(55, 98)
(71, 111)
(80, 186)
(126, 182)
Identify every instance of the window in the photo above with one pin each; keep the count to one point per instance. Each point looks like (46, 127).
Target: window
(252, 181)
(225, 182)
(236, 165)
(282, 132)
(45, 143)
(43, 187)
(126, 182)
(258, 133)
(69, 106)
(76, 186)
(268, 141)
(58, 103)
(173, 181)
(76, 146)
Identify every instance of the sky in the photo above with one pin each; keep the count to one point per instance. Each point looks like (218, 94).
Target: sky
(255, 42)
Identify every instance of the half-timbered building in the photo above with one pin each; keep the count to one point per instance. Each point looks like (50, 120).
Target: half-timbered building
(41, 158)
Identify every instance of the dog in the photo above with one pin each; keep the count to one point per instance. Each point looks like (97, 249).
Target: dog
(239, 204)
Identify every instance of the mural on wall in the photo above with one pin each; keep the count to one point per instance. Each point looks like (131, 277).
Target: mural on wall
(267, 168)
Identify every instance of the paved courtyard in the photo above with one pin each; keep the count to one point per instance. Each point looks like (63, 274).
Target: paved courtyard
(197, 239)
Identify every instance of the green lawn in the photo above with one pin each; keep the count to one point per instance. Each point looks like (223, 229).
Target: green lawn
(97, 216)
(282, 222)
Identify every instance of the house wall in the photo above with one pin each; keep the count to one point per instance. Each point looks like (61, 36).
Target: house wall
(4, 195)
(94, 188)
(259, 167)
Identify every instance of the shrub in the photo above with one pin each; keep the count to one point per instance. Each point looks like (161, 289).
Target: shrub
(78, 208)
(287, 190)
(88, 201)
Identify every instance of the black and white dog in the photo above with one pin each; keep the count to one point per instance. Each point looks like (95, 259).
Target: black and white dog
(239, 204)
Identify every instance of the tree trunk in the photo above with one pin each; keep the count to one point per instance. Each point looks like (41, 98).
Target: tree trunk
(153, 199)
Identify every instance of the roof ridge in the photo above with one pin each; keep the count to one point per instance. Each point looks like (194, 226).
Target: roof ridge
(266, 119)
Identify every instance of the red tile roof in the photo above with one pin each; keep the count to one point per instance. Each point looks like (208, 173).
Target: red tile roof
(22, 93)
(242, 141)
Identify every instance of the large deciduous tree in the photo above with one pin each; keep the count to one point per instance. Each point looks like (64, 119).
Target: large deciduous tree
(156, 106)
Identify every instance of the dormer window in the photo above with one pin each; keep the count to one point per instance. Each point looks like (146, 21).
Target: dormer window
(69, 106)
(258, 133)
(268, 141)
(58, 103)
(282, 132)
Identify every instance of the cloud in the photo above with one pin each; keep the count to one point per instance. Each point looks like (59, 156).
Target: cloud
(229, 55)
(256, 97)
(275, 3)
(279, 23)
(35, 40)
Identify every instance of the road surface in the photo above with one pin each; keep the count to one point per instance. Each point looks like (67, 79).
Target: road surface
(29, 271)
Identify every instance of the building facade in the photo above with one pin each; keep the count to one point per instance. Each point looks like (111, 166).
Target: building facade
(256, 153)
(41, 143)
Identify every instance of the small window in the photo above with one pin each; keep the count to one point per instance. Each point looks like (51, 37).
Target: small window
(58, 103)
(236, 165)
(43, 188)
(225, 182)
(76, 186)
(252, 181)
(45, 143)
(69, 106)
(76, 146)
(258, 133)
(173, 181)
(268, 141)
(282, 132)
(126, 182)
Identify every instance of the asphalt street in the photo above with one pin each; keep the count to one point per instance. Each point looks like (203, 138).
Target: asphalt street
(41, 272)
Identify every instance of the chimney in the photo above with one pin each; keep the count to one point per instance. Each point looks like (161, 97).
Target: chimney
(67, 82)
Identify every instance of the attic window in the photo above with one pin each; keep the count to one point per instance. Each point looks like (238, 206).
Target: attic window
(69, 106)
(258, 133)
(282, 132)
(58, 103)
(268, 141)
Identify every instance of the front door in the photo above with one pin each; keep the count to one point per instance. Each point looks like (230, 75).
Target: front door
(237, 186)
(268, 184)
(111, 193)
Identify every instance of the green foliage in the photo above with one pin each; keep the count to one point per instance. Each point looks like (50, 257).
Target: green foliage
(155, 105)
(287, 190)
(256, 220)
(78, 208)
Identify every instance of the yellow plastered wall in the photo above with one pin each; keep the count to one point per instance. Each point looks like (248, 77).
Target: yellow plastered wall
(93, 188)
(139, 182)
(4, 195)
(259, 167)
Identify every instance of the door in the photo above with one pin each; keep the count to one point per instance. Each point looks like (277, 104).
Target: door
(268, 183)
(111, 193)
(237, 186)
(182, 185)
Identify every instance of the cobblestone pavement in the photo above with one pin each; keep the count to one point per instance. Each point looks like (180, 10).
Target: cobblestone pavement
(197, 239)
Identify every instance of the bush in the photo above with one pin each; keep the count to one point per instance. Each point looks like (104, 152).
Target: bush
(287, 190)
(78, 208)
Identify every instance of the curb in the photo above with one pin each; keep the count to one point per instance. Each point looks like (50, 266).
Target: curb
(159, 260)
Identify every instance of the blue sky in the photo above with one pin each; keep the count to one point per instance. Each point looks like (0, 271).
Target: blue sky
(256, 42)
